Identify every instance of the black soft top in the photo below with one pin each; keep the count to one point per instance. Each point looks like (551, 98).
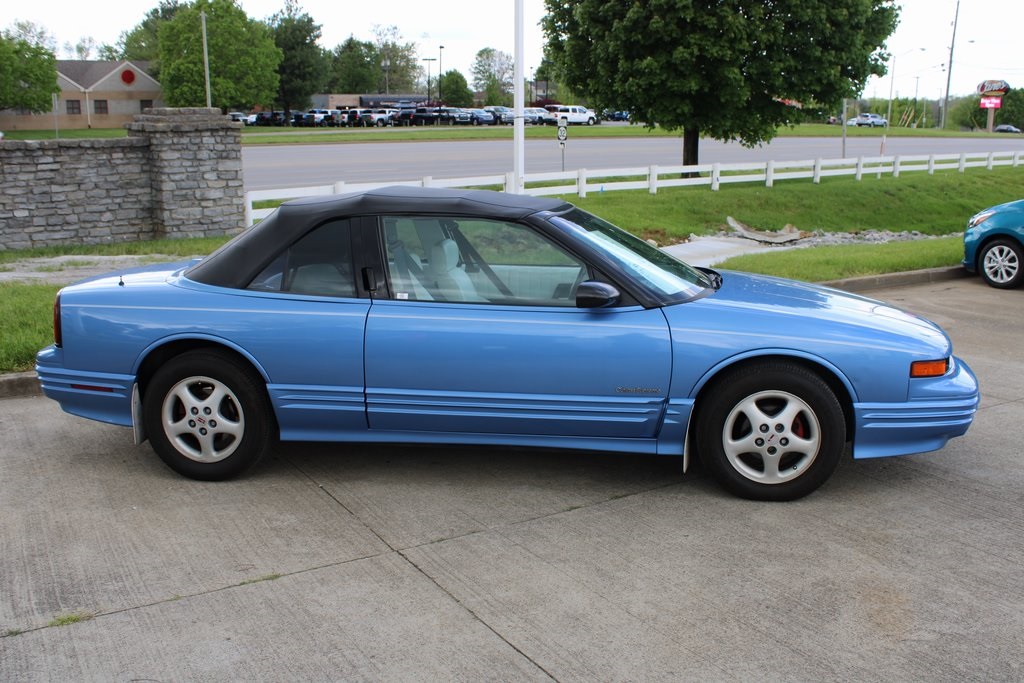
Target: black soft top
(238, 261)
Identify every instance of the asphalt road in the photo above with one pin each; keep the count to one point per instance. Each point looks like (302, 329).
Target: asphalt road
(279, 166)
(333, 562)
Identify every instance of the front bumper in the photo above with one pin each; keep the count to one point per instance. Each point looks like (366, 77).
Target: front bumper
(937, 410)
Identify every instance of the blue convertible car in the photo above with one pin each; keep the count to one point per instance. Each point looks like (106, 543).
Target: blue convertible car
(473, 317)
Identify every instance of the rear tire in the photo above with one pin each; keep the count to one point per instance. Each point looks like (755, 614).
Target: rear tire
(771, 431)
(207, 415)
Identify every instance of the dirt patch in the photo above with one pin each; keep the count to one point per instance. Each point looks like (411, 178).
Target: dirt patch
(61, 270)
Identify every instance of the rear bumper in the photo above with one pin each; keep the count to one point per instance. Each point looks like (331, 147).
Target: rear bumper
(938, 410)
(94, 395)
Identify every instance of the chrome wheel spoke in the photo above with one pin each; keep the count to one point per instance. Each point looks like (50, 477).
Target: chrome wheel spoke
(1001, 264)
(202, 419)
(771, 437)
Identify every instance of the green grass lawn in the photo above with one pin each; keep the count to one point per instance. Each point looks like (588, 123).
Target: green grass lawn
(934, 205)
(821, 264)
(27, 311)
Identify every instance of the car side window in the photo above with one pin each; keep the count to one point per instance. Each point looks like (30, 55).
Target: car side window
(319, 263)
(474, 260)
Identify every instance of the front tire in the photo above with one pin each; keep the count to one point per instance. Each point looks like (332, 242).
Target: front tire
(207, 415)
(1000, 264)
(770, 431)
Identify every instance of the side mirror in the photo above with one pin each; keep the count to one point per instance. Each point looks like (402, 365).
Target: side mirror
(591, 294)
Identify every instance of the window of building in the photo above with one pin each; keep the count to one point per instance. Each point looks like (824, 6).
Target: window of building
(99, 107)
(73, 107)
(145, 104)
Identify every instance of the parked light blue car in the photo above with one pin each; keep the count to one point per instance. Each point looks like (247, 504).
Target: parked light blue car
(994, 245)
(434, 316)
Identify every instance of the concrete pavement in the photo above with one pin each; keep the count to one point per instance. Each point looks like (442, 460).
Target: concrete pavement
(354, 562)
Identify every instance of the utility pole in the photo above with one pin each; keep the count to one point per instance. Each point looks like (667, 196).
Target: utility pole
(206, 60)
(949, 68)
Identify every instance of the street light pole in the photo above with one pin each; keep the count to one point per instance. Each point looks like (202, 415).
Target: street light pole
(949, 68)
(428, 60)
(440, 70)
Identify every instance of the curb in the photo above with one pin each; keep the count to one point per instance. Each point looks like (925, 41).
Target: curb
(911, 277)
(19, 384)
(24, 384)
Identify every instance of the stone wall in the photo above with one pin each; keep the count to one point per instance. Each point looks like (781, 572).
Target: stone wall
(177, 174)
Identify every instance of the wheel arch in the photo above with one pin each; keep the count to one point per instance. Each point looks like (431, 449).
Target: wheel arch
(158, 354)
(993, 236)
(837, 382)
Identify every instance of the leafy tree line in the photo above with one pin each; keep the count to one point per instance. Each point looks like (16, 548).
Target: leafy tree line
(967, 112)
(277, 62)
(964, 112)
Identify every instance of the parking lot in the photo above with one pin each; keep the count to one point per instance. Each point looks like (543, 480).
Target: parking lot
(338, 562)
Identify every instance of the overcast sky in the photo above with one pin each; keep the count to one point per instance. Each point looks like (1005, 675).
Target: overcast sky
(987, 38)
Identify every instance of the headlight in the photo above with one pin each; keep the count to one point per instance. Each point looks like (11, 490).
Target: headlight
(979, 218)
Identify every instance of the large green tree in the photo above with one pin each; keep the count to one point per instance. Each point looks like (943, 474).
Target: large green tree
(727, 69)
(454, 89)
(354, 67)
(28, 75)
(243, 57)
(303, 67)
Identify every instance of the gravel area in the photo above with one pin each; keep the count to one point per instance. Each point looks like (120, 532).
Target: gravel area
(819, 238)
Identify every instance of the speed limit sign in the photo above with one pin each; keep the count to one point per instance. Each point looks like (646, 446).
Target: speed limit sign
(563, 133)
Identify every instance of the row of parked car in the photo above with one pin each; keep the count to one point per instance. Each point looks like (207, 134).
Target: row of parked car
(419, 116)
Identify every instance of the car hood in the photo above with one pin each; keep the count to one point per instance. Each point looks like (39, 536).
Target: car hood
(1017, 205)
(787, 308)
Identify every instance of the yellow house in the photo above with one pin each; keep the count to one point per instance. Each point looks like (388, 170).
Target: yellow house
(93, 94)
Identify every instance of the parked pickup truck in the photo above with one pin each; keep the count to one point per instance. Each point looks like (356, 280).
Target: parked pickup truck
(376, 117)
(452, 116)
(425, 116)
(566, 115)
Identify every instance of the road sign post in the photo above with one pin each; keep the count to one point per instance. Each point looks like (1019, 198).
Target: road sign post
(563, 135)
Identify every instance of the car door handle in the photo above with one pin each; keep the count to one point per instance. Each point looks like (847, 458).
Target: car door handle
(369, 279)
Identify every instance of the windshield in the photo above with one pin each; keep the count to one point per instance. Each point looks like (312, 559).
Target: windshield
(661, 272)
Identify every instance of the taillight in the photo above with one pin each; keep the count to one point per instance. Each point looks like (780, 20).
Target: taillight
(58, 334)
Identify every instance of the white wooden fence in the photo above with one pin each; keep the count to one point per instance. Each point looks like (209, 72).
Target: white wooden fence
(653, 178)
